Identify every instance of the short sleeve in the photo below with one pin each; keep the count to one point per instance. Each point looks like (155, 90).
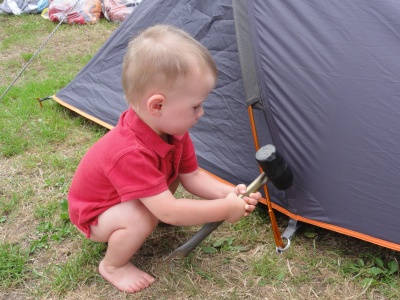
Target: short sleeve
(188, 161)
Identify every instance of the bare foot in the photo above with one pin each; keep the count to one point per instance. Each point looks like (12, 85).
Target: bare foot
(127, 278)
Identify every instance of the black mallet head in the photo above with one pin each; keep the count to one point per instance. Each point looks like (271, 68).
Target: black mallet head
(275, 167)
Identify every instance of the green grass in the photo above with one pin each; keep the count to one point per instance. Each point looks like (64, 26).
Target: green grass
(13, 265)
(42, 256)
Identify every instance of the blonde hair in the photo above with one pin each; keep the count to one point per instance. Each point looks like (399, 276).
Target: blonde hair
(159, 56)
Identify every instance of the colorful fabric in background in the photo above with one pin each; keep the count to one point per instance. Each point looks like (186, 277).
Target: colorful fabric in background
(17, 7)
(83, 11)
(118, 10)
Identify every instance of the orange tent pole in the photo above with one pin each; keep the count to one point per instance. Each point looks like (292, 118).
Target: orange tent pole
(275, 229)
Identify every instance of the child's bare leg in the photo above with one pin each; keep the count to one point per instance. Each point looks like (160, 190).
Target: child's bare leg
(125, 226)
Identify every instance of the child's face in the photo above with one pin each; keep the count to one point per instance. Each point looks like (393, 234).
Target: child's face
(183, 106)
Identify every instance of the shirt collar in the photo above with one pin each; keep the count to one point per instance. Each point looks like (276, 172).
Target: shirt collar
(147, 135)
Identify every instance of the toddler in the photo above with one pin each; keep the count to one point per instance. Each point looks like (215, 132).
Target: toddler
(125, 183)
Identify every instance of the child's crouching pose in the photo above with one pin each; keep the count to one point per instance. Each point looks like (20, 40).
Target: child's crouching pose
(124, 184)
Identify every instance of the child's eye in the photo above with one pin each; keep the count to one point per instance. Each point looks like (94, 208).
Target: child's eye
(197, 107)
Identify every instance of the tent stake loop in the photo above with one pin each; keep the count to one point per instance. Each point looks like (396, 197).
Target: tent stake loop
(280, 250)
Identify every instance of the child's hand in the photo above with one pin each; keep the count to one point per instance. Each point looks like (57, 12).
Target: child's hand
(241, 207)
(240, 189)
(236, 206)
(251, 199)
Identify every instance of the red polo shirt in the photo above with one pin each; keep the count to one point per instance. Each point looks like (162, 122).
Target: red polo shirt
(131, 161)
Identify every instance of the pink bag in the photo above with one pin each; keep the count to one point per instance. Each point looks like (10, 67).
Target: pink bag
(118, 10)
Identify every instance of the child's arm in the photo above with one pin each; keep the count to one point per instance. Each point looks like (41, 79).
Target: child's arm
(224, 204)
(187, 212)
(205, 186)
(202, 184)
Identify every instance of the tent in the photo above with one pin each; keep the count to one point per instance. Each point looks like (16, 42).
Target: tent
(319, 80)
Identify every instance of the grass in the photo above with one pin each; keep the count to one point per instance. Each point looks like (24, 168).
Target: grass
(42, 256)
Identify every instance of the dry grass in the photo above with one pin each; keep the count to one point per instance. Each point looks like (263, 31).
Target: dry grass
(30, 192)
(309, 273)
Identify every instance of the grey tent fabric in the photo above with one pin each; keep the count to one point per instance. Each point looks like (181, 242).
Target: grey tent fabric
(323, 79)
(328, 71)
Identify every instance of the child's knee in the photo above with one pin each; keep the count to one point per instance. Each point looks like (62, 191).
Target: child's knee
(131, 215)
(150, 221)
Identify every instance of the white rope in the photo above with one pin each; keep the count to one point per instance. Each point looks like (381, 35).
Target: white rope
(38, 50)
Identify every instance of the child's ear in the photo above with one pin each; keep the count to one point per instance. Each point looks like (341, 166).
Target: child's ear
(155, 104)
